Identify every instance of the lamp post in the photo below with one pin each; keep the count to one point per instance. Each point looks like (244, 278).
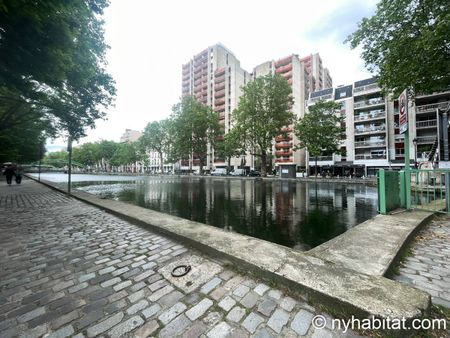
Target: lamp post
(415, 152)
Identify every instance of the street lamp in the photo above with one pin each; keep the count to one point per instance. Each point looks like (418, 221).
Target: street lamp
(415, 152)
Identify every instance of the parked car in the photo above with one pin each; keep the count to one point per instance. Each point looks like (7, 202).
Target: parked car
(238, 172)
(219, 172)
(254, 173)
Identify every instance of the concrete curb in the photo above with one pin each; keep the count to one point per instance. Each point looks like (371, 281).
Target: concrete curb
(345, 290)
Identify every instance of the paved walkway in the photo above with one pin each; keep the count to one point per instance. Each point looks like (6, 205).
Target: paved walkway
(70, 269)
(427, 266)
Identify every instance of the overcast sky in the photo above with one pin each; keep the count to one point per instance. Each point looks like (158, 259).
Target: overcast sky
(150, 40)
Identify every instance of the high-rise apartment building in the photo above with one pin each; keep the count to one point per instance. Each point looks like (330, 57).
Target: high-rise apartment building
(318, 77)
(215, 78)
(373, 138)
(293, 71)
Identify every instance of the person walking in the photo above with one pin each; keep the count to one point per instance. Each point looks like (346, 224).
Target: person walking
(9, 173)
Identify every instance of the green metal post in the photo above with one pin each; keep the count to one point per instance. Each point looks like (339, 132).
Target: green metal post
(381, 192)
(402, 189)
(407, 173)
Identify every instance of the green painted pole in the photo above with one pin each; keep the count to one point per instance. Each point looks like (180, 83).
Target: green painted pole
(407, 172)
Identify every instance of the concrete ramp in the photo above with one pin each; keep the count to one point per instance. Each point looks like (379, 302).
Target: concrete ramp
(372, 246)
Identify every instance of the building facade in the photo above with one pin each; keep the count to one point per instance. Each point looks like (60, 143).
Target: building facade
(372, 134)
(215, 78)
(291, 68)
(130, 136)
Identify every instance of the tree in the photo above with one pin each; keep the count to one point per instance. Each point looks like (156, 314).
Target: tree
(125, 154)
(407, 43)
(195, 126)
(230, 147)
(156, 137)
(320, 130)
(264, 109)
(106, 151)
(87, 154)
(52, 65)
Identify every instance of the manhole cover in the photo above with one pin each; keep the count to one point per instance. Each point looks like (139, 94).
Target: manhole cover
(202, 271)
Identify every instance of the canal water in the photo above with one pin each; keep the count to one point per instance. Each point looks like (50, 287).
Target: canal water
(299, 215)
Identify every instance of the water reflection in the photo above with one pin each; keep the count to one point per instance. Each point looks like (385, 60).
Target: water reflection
(295, 214)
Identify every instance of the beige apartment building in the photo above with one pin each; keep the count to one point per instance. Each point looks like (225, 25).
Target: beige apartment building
(215, 78)
(290, 67)
(373, 138)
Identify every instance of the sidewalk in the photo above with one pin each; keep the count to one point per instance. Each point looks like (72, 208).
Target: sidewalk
(70, 269)
(427, 264)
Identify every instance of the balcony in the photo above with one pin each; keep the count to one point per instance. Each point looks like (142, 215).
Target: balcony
(426, 139)
(283, 69)
(220, 93)
(283, 153)
(221, 116)
(369, 103)
(287, 76)
(370, 144)
(219, 87)
(373, 115)
(282, 138)
(283, 61)
(370, 157)
(219, 102)
(373, 87)
(323, 97)
(219, 72)
(371, 130)
(426, 124)
(431, 108)
(283, 145)
(286, 129)
(219, 79)
(284, 160)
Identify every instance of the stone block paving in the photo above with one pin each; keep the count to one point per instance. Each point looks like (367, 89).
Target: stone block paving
(428, 266)
(68, 269)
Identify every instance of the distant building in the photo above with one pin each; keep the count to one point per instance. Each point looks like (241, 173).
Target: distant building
(130, 136)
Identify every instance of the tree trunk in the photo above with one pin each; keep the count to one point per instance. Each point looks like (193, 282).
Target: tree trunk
(200, 172)
(161, 159)
(315, 158)
(263, 164)
(229, 163)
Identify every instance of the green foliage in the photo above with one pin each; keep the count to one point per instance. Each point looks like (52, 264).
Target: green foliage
(22, 144)
(230, 147)
(125, 153)
(408, 43)
(156, 137)
(194, 126)
(320, 130)
(52, 66)
(263, 110)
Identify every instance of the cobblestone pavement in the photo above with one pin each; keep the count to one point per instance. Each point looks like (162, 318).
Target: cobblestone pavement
(428, 265)
(70, 269)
